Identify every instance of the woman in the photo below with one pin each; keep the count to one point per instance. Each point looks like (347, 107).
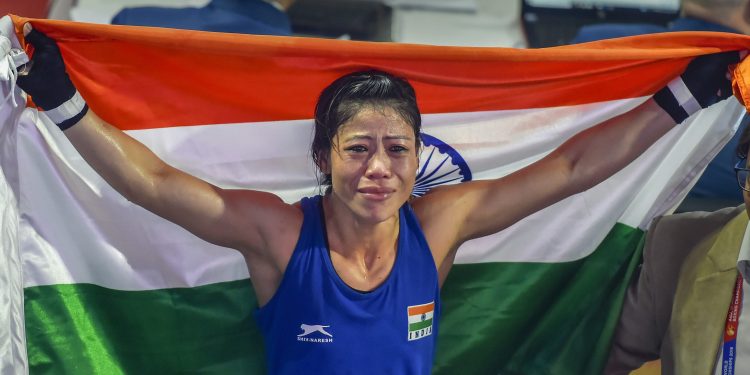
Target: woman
(348, 282)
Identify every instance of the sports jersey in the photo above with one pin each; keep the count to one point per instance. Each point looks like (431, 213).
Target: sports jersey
(317, 324)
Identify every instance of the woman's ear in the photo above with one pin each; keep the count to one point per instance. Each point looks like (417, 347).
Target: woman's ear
(324, 162)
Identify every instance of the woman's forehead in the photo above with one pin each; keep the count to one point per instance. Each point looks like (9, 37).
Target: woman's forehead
(377, 120)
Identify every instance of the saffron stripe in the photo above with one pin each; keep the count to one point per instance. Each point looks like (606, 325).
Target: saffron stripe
(421, 309)
(261, 78)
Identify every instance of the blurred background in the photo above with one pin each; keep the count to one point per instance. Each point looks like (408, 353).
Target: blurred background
(502, 23)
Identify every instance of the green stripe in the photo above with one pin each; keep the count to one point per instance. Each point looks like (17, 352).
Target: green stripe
(419, 325)
(87, 329)
(535, 318)
(510, 318)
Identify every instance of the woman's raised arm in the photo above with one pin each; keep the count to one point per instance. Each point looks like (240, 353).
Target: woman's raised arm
(454, 214)
(246, 220)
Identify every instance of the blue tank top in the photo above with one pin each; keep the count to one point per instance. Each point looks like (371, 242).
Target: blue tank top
(317, 324)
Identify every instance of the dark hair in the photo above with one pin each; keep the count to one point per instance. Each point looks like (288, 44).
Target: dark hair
(350, 94)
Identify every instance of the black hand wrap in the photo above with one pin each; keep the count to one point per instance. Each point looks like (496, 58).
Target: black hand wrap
(704, 82)
(49, 84)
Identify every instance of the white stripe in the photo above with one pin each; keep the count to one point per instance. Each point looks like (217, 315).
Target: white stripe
(418, 317)
(694, 147)
(66, 110)
(652, 185)
(684, 97)
(72, 235)
(13, 356)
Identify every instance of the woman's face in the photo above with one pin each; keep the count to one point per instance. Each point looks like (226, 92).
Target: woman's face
(373, 164)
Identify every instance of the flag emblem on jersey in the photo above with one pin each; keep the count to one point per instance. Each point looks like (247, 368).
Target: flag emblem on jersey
(420, 320)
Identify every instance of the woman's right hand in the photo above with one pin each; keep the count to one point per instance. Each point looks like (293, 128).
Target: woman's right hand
(705, 81)
(48, 82)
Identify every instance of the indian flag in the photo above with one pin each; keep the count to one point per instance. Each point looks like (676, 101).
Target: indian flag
(92, 284)
(420, 320)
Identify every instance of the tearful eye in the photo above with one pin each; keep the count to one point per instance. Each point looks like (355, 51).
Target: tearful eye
(357, 149)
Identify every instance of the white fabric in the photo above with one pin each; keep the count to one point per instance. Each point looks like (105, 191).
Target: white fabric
(13, 359)
(652, 185)
(104, 246)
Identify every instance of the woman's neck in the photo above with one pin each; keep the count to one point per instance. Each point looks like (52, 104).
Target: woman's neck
(362, 253)
(350, 234)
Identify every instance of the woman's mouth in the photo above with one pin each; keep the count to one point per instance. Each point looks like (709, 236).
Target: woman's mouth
(375, 193)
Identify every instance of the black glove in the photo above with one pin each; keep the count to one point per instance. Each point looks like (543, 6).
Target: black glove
(705, 81)
(49, 84)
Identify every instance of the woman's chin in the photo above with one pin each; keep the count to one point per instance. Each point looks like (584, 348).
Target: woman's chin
(377, 212)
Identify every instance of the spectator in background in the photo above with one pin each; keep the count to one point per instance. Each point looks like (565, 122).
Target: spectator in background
(695, 264)
(697, 15)
(696, 269)
(715, 189)
(267, 17)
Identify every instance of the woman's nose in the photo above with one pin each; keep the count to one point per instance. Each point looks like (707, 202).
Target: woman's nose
(379, 165)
